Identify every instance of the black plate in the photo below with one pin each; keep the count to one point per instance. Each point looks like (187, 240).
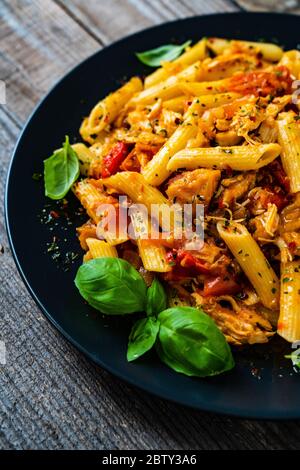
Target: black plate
(262, 385)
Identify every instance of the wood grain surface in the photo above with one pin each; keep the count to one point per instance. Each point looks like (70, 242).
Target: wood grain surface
(51, 396)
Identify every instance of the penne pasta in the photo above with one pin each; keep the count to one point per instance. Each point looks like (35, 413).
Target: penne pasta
(152, 253)
(205, 102)
(289, 139)
(87, 256)
(291, 59)
(107, 109)
(289, 320)
(175, 104)
(153, 256)
(140, 192)
(268, 131)
(219, 99)
(190, 56)
(242, 158)
(270, 52)
(224, 66)
(167, 89)
(252, 261)
(156, 170)
(85, 157)
(90, 197)
(111, 238)
(204, 88)
(101, 249)
(134, 185)
(95, 202)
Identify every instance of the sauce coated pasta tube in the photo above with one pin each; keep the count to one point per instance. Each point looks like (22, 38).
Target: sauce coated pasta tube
(252, 261)
(153, 254)
(140, 192)
(101, 249)
(85, 157)
(269, 51)
(156, 171)
(289, 139)
(94, 201)
(191, 55)
(167, 89)
(242, 157)
(107, 109)
(289, 319)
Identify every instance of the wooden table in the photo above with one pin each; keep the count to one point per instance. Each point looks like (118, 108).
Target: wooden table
(51, 396)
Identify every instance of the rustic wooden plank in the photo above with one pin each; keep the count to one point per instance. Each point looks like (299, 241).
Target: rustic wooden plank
(109, 20)
(39, 42)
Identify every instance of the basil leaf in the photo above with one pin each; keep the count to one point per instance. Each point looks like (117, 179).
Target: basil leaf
(156, 298)
(191, 343)
(166, 53)
(61, 170)
(142, 337)
(294, 358)
(112, 286)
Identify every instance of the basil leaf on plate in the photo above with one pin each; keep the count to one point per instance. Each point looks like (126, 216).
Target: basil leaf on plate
(142, 337)
(166, 53)
(61, 170)
(156, 298)
(295, 358)
(112, 286)
(190, 342)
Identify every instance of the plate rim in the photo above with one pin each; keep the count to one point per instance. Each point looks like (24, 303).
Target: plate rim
(217, 409)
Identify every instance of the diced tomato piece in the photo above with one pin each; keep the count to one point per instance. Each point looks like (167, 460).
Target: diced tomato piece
(187, 260)
(275, 196)
(216, 286)
(292, 246)
(221, 204)
(185, 265)
(262, 83)
(278, 172)
(112, 161)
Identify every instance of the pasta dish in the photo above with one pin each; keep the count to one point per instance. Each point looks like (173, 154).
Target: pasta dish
(216, 127)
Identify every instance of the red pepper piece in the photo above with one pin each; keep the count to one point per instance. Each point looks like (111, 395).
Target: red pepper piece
(112, 161)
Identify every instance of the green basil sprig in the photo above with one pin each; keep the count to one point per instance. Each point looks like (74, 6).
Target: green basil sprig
(167, 53)
(156, 298)
(142, 337)
(186, 339)
(61, 170)
(295, 358)
(112, 286)
(190, 342)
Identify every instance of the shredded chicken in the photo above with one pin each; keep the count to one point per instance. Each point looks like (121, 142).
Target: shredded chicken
(289, 242)
(236, 187)
(196, 186)
(265, 225)
(239, 323)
